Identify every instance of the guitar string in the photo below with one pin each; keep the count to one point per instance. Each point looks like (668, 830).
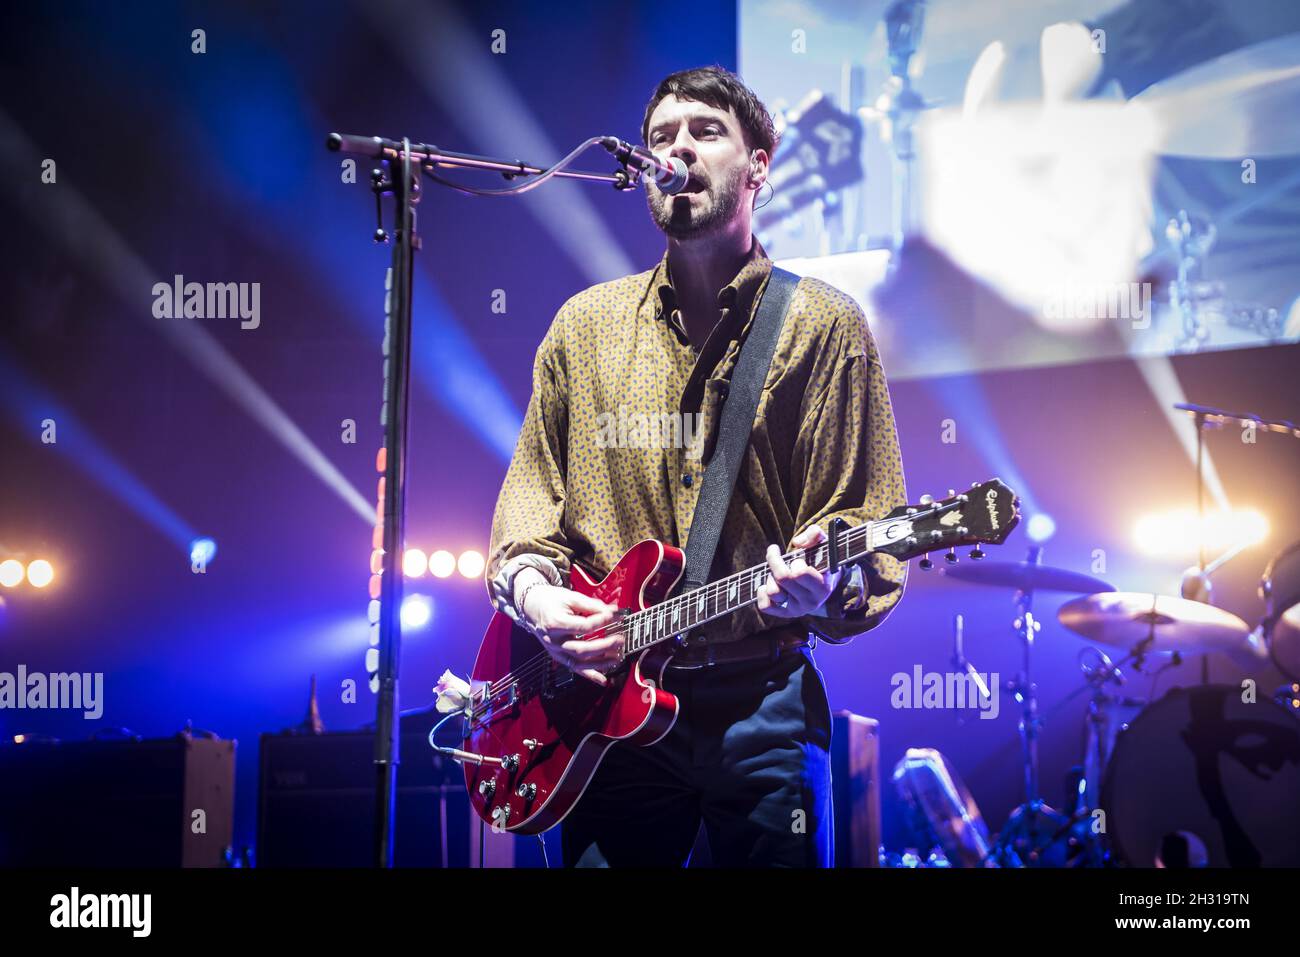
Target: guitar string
(658, 613)
(538, 666)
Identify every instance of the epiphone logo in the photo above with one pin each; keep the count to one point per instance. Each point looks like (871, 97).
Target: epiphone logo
(991, 499)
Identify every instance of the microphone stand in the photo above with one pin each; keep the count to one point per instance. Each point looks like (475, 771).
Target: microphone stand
(1206, 417)
(405, 161)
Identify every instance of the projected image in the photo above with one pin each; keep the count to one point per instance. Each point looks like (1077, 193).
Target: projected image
(1033, 183)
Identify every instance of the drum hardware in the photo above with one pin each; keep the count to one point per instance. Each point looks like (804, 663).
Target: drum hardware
(1027, 577)
(1108, 714)
(962, 664)
(900, 105)
(1191, 237)
(1143, 624)
(1022, 841)
(1280, 588)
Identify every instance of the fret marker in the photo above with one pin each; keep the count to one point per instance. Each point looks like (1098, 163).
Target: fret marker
(731, 590)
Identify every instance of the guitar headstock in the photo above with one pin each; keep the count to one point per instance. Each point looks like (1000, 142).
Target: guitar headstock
(984, 514)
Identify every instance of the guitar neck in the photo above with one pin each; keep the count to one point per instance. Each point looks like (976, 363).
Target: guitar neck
(717, 599)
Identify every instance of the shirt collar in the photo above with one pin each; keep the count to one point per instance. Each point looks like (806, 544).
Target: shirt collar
(737, 294)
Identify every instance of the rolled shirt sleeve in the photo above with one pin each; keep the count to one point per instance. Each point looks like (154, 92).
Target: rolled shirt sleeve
(527, 525)
(849, 455)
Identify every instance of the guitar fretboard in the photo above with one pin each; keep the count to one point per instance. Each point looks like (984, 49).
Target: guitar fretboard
(707, 603)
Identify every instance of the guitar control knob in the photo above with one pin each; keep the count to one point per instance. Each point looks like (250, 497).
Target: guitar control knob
(510, 762)
(527, 791)
(487, 787)
(531, 743)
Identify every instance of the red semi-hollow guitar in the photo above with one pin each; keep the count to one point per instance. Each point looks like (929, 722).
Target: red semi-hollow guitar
(536, 732)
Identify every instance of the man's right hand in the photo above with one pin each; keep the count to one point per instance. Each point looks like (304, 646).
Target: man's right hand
(557, 614)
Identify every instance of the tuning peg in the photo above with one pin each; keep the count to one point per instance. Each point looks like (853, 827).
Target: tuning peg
(950, 556)
(927, 499)
(952, 493)
(925, 564)
(976, 554)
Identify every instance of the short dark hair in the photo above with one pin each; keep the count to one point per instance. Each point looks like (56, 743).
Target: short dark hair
(721, 89)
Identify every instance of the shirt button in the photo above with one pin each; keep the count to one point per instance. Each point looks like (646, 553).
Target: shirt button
(688, 479)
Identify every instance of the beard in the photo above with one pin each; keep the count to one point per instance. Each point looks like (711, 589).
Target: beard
(682, 218)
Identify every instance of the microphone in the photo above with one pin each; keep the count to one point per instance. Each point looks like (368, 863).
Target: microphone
(669, 175)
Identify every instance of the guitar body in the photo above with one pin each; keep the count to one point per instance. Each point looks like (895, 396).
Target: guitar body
(559, 724)
(536, 732)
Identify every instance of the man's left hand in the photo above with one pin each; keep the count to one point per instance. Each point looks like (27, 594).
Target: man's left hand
(795, 589)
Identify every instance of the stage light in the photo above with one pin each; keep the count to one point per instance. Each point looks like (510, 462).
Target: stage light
(11, 572)
(416, 612)
(40, 573)
(415, 563)
(1181, 534)
(1041, 527)
(442, 563)
(470, 563)
(202, 551)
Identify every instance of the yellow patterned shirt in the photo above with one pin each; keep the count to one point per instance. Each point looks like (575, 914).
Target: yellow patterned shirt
(623, 418)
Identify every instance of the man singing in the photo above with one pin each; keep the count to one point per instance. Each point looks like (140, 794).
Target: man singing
(750, 751)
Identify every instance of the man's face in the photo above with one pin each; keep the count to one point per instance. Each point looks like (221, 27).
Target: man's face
(711, 144)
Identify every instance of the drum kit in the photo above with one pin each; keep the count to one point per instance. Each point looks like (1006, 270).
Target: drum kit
(1204, 776)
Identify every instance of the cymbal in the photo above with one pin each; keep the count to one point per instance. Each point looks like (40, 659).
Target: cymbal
(1243, 103)
(1125, 619)
(1024, 576)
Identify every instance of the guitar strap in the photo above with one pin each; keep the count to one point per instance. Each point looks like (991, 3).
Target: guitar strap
(737, 421)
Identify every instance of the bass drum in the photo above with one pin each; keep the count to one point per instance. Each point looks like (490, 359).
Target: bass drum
(1201, 778)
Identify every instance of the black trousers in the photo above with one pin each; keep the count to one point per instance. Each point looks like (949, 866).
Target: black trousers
(749, 755)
